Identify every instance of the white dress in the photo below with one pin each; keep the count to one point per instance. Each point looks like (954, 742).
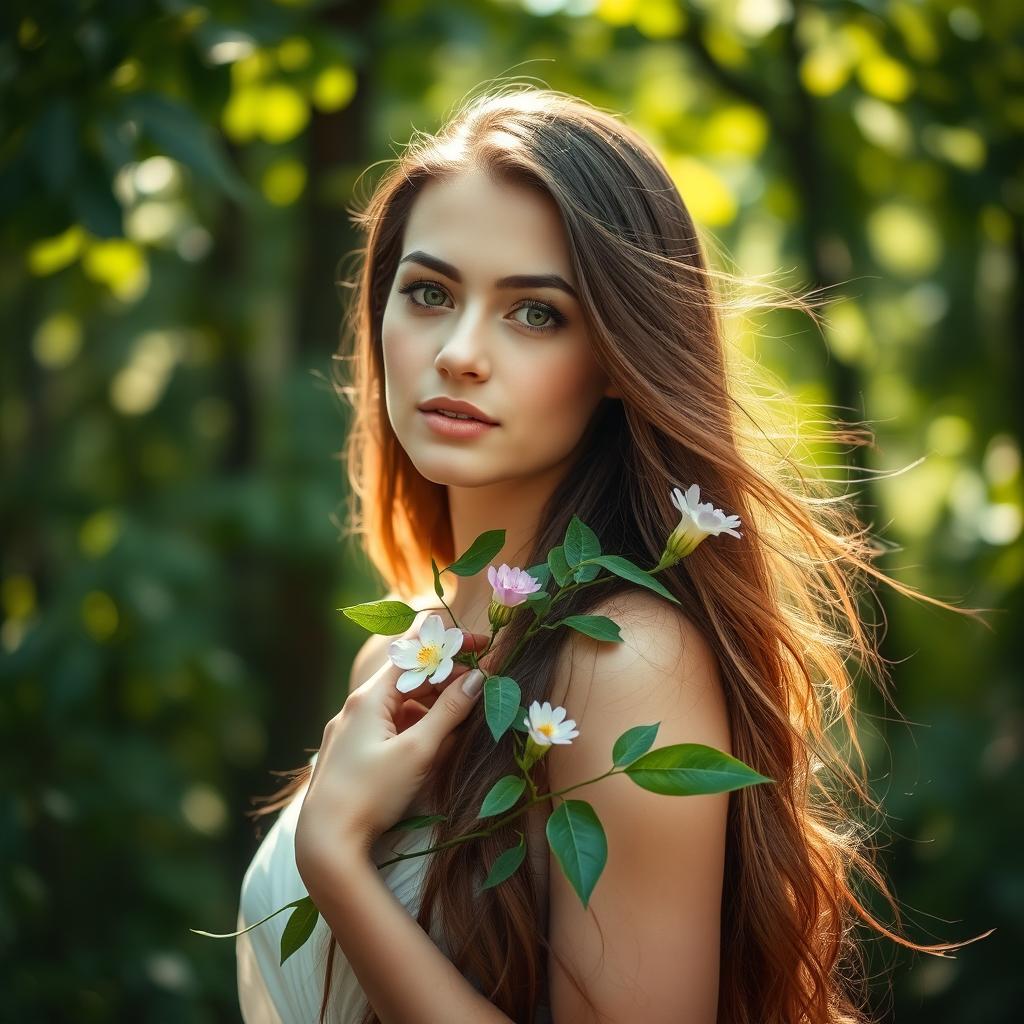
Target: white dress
(270, 992)
(291, 993)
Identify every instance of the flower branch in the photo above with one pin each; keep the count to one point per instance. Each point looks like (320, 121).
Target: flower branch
(573, 830)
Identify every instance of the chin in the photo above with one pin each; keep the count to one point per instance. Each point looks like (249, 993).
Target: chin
(463, 467)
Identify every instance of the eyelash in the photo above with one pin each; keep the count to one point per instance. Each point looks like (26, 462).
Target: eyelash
(560, 319)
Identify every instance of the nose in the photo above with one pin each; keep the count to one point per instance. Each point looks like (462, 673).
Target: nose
(464, 352)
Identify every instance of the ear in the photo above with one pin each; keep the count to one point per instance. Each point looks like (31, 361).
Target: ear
(611, 391)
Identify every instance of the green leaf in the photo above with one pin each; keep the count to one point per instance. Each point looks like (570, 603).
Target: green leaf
(541, 572)
(503, 795)
(632, 743)
(299, 927)
(505, 865)
(480, 552)
(539, 603)
(438, 589)
(384, 617)
(418, 821)
(691, 769)
(578, 841)
(600, 627)
(586, 573)
(502, 698)
(580, 542)
(628, 571)
(559, 567)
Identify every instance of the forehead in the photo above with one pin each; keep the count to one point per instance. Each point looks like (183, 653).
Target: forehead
(484, 226)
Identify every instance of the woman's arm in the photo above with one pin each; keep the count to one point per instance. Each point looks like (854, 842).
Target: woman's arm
(406, 978)
(648, 946)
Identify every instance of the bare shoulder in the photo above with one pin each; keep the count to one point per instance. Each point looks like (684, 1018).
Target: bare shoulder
(648, 943)
(664, 665)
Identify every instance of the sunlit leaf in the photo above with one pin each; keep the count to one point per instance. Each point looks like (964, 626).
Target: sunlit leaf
(383, 617)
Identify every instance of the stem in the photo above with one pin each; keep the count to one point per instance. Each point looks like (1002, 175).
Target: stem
(232, 935)
(536, 799)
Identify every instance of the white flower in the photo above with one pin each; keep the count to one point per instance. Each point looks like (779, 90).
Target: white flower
(429, 655)
(699, 519)
(707, 518)
(546, 726)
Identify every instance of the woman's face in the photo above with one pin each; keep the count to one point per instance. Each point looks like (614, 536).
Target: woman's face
(518, 351)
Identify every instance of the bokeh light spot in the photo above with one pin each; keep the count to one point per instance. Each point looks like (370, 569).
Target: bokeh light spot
(283, 182)
(49, 255)
(99, 533)
(119, 264)
(99, 615)
(903, 239)
(18, 595)
(334, 88)
(204, 809)
(283, 113)
(57, 340)
(705, 192)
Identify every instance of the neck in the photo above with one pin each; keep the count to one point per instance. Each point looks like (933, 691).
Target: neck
(512, 505)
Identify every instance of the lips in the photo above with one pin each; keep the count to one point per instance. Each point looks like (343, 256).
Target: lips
(452, 427)
(462, 417)
(443, 404)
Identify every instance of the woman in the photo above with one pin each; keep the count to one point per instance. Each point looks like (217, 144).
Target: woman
(535, 260)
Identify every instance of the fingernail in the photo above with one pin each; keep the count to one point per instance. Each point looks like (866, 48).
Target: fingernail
(473, 682)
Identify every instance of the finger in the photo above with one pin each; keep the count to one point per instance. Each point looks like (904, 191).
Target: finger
(427, 692)
(409, 714)
(450, 710)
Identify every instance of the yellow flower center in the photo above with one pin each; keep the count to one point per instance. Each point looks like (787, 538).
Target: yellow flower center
(547, 728)
(429, 654)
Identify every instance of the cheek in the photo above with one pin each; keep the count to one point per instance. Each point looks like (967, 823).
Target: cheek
(560, 392)
(400, 353)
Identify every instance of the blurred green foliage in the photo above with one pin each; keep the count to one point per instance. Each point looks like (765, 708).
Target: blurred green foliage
(174, 180)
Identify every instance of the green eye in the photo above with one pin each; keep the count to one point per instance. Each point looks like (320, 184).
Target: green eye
(536, 317)
(431, 290)
(428, 289)
(539, 315)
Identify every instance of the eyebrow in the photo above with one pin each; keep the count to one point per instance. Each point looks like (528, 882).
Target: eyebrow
(513, 281)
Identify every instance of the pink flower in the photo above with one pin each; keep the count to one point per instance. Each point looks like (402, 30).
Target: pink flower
(511, 586)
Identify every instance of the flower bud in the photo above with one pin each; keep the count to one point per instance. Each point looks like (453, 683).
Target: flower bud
(499, 614)
(533, 753)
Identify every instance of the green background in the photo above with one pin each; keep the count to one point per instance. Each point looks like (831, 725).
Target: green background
(174, 180)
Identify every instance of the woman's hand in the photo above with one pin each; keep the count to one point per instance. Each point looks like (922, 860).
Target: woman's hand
(377, 753)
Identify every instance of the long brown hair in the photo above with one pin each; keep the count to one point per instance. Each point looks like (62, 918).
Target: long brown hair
(781, 608)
